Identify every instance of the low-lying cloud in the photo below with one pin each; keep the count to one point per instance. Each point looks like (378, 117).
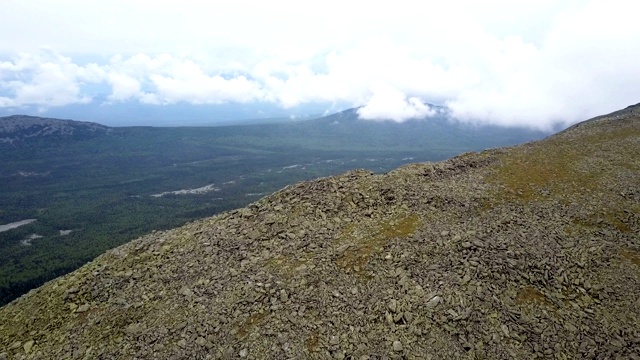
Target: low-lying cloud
(387, 103)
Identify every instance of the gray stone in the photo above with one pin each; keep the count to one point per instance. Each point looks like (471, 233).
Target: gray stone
(28, 346)
(283, 295)
(200, 341)
(393, 305)
(185, 291)
(334, 340)
(434, 301)
(133, 329)
(505, 330)
(397, 346)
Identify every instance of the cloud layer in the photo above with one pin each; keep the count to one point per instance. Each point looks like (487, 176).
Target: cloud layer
(531, 63)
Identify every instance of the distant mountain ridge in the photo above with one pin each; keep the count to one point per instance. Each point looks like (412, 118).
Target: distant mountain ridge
(333, 131)
(19, 128)
(440, 128)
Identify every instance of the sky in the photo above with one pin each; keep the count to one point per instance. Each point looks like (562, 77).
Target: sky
(519, 63)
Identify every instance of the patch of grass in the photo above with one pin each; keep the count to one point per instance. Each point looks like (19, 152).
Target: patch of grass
(531, 295)
(558, 169)
(631, 255)
(612, 218)
(618, 219)
(364, 241)
(528, 173)
(583, 167)
(312, 342)
(286, 265)
(255, 319)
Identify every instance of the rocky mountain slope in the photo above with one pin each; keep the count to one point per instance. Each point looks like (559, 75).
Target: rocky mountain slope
(524, 252)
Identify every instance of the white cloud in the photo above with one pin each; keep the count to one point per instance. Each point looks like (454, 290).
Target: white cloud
(583, 67)
(531, 63)
(123, 87)
(45, 79)
(187, 82)
(387, 103)
(166, 79)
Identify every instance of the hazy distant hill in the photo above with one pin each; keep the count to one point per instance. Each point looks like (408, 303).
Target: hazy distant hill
(18, 129)
(439, 132)
(134, 113)
(524, 252)
(340, 131)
